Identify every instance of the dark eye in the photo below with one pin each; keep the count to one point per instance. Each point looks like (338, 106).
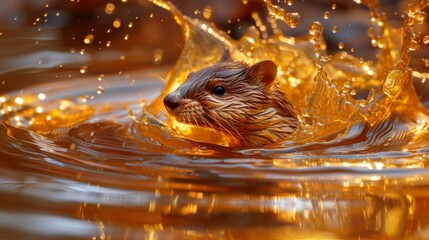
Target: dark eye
(218, 91)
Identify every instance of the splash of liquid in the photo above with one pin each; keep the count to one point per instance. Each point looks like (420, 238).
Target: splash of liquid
(320, 86)
(360, 159)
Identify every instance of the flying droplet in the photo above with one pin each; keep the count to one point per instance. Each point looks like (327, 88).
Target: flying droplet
(426, 39)
(88, 39)
(100, 90)
(291, 19)
(19, 100)
(207, 12)
(109, 9)
(157, 56)
(326, 15)
(413, 46)
(83, 69)
(41, 96)
(117, 23)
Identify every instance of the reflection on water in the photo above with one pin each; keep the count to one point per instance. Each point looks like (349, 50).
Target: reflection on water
(83, 161)
(103, 179)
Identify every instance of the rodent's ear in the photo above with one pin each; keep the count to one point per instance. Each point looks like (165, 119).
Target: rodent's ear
(265, 72)
(225, 55)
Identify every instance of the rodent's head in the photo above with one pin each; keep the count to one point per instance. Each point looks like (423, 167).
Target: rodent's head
(223, 95)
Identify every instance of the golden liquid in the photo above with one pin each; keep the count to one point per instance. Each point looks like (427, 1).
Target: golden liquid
(319, 85)
(85, 163)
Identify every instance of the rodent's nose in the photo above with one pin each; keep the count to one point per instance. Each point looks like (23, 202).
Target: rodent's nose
(171, 101)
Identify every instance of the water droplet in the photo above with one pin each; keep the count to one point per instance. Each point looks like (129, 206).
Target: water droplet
(291, 19)
(88, 39)
(117, 23)
(83, 99)
(326, 15)
(207, 12)
(157, 56)
(413, 46)
(41, 96)
(19, 100)
(341, 45)
(334, 6)
(100, 90)
(83, 69)
(420, 17)
(110, 8)
(334, 29)
(426, 39)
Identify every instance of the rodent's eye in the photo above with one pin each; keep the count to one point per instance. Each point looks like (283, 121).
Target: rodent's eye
(218, 91)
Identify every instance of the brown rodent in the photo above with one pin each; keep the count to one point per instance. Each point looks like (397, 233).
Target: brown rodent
(239, 100)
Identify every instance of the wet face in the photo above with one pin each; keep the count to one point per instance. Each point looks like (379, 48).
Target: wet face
(222, 96)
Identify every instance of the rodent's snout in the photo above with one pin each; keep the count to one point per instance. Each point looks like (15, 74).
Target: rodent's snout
(170, 101)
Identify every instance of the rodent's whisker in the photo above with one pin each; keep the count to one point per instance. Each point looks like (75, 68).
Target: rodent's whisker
(240, 101)
(162, 112)
(187, 57)
(188, 119)
(205, 123)
(198, 126)
(226, 130)
(156, 111)
(210, 125)
(232, 127)
(160, 78)
(235, 130)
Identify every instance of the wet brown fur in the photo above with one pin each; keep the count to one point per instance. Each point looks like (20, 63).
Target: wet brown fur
(252, 112)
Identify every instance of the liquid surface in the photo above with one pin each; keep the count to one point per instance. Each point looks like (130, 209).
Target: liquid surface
(83, 161)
